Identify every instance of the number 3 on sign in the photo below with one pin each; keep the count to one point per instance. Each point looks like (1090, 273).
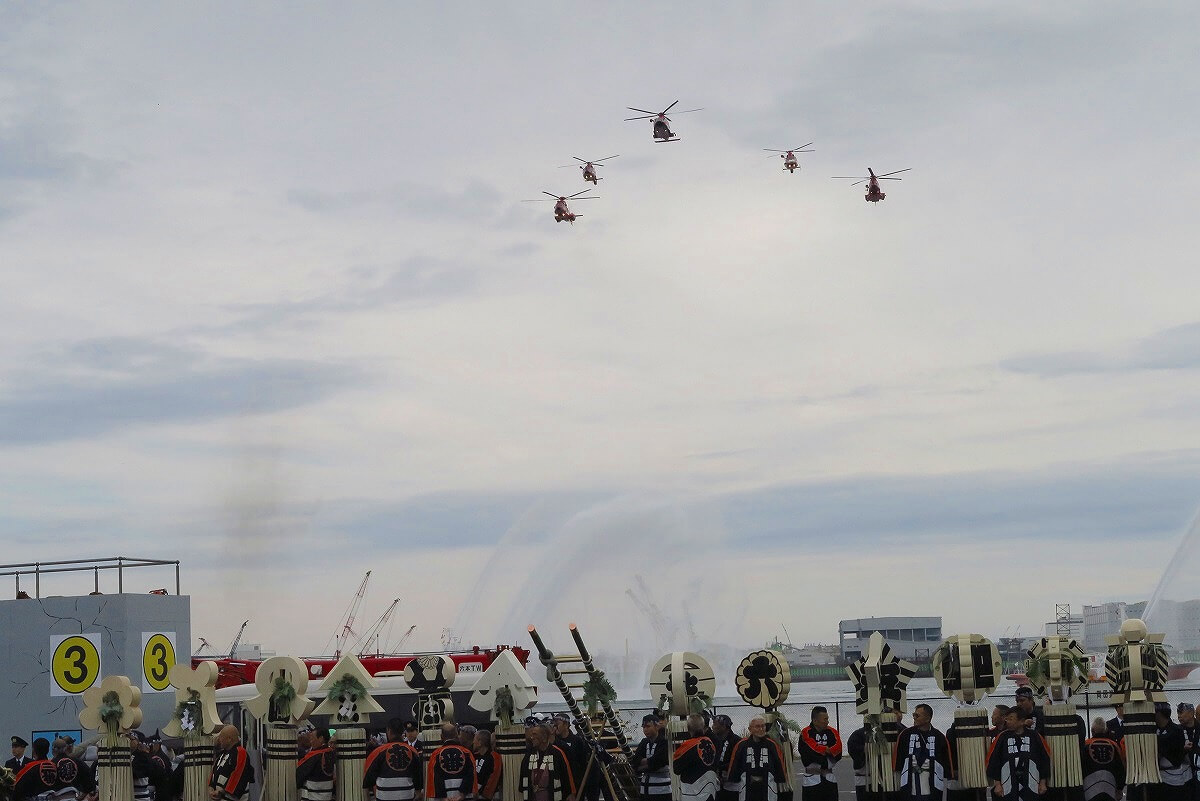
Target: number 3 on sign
(158, 655)
(74, 663)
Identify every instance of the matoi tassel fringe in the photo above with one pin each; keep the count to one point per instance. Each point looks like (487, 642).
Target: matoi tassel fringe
(1141, 743)
(971, 723)
(197, 766)
(280, 784)
(510, 745)
(881, 742)
(1063, 736)
(114, 772)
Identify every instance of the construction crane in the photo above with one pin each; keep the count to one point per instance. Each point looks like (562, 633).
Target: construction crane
(233, 645)
(404, 639)
(370, 640)
(343, 634)
(203, 644)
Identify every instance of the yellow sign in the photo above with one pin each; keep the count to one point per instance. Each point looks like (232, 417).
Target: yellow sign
(158, 655)
(75, 665)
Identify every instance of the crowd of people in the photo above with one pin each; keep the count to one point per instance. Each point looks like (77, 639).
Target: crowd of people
(711, 762)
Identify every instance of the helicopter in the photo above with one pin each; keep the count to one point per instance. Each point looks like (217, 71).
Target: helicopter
(561, 211)
(662, 131)
(874, 193)
(589, 168)
(789, 156)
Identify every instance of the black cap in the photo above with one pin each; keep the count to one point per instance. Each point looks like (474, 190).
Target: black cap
(561, 716)
(724, 720)
(1185, 706)
(137, 735)
(17, 742)
(532, 721)
(651, 718)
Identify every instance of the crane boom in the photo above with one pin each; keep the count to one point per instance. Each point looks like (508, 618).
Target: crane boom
(348, 625)
(371, 638)
(233, 645)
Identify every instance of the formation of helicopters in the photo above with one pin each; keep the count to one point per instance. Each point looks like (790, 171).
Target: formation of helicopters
(662, 133)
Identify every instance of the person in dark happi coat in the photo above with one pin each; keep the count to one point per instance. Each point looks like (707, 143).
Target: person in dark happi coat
(651, 761)
(1191, 745)
(856, 749)
(725, 740)
(757, 765)
(1174, 769)
(922, 758)
(450, 772)
(393, 770)
(1019, 762)
(316, 772)
(695, 762)
(1103, 765)
(820, 748)
(545, 769)
(36, 775)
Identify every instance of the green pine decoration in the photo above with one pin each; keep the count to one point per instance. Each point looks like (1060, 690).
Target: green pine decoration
(111, 709)
(596, 691)
(502, 706)
(281, 698)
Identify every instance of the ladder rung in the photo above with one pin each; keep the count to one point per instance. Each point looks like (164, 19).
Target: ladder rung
(573, 672)
(568, 658)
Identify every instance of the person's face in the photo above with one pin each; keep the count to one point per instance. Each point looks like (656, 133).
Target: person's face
(1120, 708)
(1025, 702)
(921, 717)
(1014, 721)
(562, 728)
(226, 738)
(1187, 717)
(539, 737)
(758, 728)
(410, 732)
(820, 721)
(18, 751)
(479, 745)
(650, 729)
(719, 728)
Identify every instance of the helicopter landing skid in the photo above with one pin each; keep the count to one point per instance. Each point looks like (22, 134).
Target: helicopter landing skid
(664, 141)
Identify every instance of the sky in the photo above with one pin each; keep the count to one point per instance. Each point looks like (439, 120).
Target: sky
(271, 304)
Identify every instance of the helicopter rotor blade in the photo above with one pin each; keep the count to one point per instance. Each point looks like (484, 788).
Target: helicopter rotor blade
(579, 159)
(551, 194)
(577, 194)
(668, 108)
(773, 150)
(606, 158)
(690, 110)
(643, 111)
(801, 148)
(647, 117)
(537, 200)
(906, 169)
(850, 177)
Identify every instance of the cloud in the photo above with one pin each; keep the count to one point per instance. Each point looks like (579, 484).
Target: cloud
(476, 201)
(1176, 348)
(101, 386)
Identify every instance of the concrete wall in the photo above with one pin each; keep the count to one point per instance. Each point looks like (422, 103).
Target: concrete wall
(50, 648)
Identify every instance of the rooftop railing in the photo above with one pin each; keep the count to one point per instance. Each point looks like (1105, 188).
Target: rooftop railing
(94, 566)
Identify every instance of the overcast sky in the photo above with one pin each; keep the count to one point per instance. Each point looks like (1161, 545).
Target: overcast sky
(270, 303)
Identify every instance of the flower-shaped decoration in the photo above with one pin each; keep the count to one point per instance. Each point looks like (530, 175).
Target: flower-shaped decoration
(680, 681)
(111, 706)
(347, 700)
(195, 699)
(281, 682)
(967, 667)
(763, 679)
(881, 679)
(430, 674)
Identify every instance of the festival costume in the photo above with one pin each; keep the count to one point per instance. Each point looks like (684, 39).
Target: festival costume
(489, 768)
(655, 782)
(451, 770)
(819, 752)
(146, 774)
(577, 751)
(757, 767)
(1173, 767)
(695, 762)
(546, 775)
(1103, 769)
(922, 758)
(728, 790)
(1191, 735)
(1019, 762)
(394, 771)
(74, 776)
(232, 774)
(316, 775)
(35, 777)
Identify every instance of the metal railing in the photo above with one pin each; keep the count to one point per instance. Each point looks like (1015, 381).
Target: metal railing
(117, 563)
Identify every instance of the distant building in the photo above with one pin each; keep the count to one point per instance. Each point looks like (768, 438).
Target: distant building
(1104, 620)
(912, 638)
